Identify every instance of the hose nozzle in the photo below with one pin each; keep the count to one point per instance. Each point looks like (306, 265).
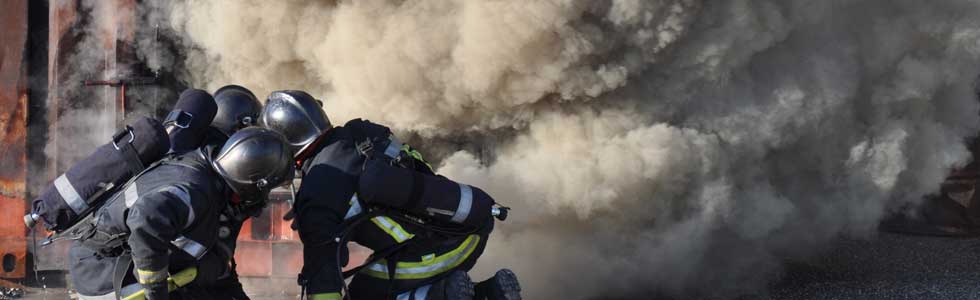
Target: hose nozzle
(500, 212)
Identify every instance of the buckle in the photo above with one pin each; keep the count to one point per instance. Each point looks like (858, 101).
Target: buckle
(365, 147)
(118, 136)
(179, 118)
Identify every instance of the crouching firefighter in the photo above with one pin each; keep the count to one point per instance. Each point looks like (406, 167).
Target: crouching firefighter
(361, 184)
(156, 238)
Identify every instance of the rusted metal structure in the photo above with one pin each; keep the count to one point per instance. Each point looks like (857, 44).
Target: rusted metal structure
(13, 136)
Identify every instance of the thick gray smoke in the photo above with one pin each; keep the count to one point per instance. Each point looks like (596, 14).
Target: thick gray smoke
(676, 147)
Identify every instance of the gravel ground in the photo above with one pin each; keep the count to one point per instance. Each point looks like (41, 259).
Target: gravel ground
(891, 266)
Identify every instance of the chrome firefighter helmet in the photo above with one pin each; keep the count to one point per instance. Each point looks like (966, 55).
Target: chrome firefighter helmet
(296, 115)
(237, 108)
(253, 162)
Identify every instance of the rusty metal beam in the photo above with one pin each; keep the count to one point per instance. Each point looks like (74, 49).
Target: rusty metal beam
(13, 134)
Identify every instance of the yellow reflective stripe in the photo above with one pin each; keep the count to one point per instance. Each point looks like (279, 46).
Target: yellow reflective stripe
(427, 268)
(393, 229)
(178, 280)
(184, 277)
(414, 153)
(325, 296)
(150, 276)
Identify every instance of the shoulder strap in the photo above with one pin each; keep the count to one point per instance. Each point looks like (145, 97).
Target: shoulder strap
(123, 262)
(125, 145)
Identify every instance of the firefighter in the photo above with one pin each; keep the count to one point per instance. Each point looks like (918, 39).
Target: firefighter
(360, 184)
(237, 108)
(157, 237)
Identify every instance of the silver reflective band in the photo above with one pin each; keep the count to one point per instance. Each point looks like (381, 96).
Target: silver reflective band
(355, 208)
(68, 192)
(421, 293)
(147, 277)
(192, 247)
(109, 296)
(394, 147)
(132, 194)
(186, 199)
(465, 202)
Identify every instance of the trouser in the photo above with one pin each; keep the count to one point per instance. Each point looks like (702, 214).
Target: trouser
(432, 291)
(224, 290)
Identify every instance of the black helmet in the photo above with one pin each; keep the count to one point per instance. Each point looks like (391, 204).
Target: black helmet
(296, 115)
(254, 161)
(237, 108)
(187, 124)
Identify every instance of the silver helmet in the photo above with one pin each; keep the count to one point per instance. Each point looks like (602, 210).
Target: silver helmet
(253, 161)
(237, 108)
(296, 115)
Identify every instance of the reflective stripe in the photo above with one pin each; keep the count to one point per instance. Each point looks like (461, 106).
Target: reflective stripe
(132, 194)
(325, 296)
(394, 146)
(109, 296)
(355, 208)
(190, 246)
(392, 228)
(185, 198)
(137, 292)
(150, 276)
(404, 296)
(465, 202)
(68, 192)
(423, 292)
(426, 269)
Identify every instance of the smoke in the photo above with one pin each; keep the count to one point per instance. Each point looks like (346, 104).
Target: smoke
(667, 147)
(83, 122)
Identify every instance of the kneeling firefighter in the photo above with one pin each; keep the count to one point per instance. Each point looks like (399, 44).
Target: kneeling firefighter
(237, 109)
(165, 222)
(156, 237)
(361, 184)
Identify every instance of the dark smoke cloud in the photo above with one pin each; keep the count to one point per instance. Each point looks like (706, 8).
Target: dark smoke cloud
(680, 147)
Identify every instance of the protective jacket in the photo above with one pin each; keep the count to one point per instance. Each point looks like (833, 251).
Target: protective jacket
(166, 220)
(420, 248)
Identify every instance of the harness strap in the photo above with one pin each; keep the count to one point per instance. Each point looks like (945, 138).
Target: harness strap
(123, 263)
(128, 150)
(415, 196)
(376, 257)
(392, 265)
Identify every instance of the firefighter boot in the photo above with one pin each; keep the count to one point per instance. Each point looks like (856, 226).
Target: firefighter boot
(458, 286)
(502, 286)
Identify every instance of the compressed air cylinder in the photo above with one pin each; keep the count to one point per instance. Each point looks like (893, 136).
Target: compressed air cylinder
(81, 189)
(433, 196)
